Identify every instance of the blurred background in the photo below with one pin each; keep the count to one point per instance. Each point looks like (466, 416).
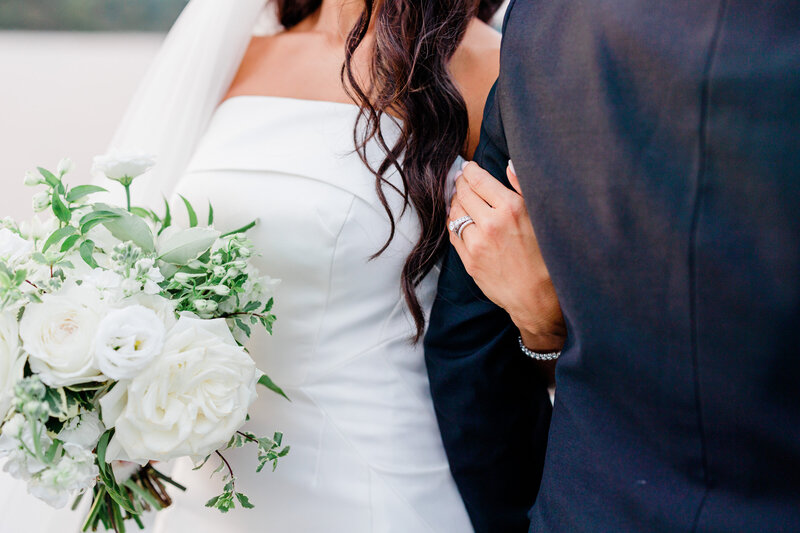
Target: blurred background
(67, 70)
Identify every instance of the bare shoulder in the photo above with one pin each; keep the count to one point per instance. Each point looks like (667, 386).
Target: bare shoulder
(475, 67)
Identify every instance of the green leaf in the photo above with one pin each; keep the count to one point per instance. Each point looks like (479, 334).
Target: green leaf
(167, 221)
(99, 213)
(141, 212)
(268, 383)
(128, 227)
(56, 237)
(244, 501)
(190, 211)
(210, 214)
(86, 250)
(76, 193)
(69, 242)
(102, 445)
(244, 327)
(240, 230)
(251, 306)
(213, 501)
(59, 209)
(49, 177)
(185, 246)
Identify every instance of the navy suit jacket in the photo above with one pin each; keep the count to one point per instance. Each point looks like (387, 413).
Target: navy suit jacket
(658, 146)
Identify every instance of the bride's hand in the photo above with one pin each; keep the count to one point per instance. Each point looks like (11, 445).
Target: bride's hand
(501, 253)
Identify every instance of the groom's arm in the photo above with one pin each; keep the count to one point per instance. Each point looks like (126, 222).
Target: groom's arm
(491, 402)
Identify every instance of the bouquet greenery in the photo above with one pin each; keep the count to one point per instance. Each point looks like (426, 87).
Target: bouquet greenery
(121, 344)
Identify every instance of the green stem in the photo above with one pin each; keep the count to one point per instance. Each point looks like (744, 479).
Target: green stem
(128, 195)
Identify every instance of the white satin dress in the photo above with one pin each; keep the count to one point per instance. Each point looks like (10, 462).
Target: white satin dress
(366, 453)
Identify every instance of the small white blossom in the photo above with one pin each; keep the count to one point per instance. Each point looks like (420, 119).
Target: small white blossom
(14, 250)
(32, 180)
(41, 201)
(74, 473)
(65, 166)
(16, 439)
(122, 167)
(83, 430)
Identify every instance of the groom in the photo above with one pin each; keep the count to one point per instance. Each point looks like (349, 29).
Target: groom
(658, 149)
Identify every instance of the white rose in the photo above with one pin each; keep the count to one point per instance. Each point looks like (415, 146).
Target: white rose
(188, 402)
(122, 167)
(83, 430)
(75, 472)
(58, 335)
(127, 341)
(12, 363)
(13, 248)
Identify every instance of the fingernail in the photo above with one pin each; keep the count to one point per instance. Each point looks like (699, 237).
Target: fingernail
(511, 166)
(464, 165)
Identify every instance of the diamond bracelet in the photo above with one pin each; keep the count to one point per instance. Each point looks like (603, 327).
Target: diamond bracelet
(548, 356)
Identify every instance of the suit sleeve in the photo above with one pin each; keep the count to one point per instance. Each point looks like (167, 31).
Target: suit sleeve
(492, 407)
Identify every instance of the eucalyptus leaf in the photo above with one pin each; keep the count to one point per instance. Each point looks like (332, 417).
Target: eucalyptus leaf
(128, 227)
(182, 247)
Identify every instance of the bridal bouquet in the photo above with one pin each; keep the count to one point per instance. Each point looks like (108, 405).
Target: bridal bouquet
(121, 344)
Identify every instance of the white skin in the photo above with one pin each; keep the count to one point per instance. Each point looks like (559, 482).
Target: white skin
(501, 253)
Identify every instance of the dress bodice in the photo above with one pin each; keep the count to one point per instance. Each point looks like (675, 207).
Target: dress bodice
(366, 450)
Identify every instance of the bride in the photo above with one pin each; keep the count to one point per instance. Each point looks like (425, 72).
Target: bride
(338, 133)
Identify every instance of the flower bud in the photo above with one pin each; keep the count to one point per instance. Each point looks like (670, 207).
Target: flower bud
(32, 180)
(41, 201)
(205, 306)
(219, 271)
(64, 166)
(182, 277)
(221, 290)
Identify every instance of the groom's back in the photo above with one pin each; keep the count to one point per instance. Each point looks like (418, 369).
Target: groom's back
(660, 147)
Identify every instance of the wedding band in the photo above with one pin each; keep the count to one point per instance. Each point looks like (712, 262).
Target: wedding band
(463, 226)
(457, 226)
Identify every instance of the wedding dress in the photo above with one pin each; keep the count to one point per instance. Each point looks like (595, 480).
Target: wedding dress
(366, 454)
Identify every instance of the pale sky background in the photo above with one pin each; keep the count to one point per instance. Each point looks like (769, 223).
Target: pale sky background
(62, 94)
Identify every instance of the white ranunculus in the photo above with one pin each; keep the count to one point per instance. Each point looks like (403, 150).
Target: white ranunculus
(119, 166)
(74, 473)
(127, 341)
(83, 430)
(58, 335)
(188, 402)
(13, 248)
(12, 363)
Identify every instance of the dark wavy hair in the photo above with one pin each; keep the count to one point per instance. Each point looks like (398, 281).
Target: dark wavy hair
(409, 79)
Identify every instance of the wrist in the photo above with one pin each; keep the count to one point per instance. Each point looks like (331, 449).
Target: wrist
(542, 342)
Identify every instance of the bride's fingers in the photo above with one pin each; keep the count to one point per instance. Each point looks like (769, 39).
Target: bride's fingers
(512, 177)
(473, 204)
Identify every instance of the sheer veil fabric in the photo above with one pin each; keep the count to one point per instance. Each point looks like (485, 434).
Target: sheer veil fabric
(184, 85)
